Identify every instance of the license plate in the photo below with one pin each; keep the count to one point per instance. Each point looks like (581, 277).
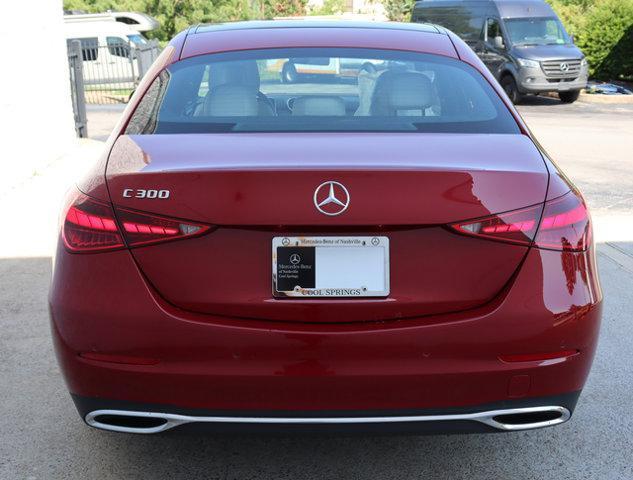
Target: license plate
(310, 267)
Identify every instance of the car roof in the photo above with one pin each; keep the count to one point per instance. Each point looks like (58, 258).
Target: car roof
(300, 23)
(223, 37)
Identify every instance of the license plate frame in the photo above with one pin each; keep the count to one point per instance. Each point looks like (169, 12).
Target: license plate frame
(359, 263)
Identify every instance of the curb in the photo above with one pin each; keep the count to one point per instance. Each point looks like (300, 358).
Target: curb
(606, 99)
(598, 98)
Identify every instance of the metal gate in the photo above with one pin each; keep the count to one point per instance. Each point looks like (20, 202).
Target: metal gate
(77, 88)
(106, 74)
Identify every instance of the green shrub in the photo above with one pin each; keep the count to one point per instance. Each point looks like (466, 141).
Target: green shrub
(284, 8)
(603, 30)
(176, 15)
(572, 14)
(398, 10)
(329, 7)
(607, 39)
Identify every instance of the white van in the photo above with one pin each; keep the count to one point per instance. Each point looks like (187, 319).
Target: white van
(136, 20)
(106, 49)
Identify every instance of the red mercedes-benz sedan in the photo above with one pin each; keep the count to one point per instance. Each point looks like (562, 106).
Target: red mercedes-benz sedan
(319, 226)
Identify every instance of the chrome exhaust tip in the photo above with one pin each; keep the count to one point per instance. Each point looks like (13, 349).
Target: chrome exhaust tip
(514, 419)
(530, 418)
(131, 422)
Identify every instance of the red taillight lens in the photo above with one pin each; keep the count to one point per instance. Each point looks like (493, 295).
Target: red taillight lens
(565, 225)
(562, 224)
(143, 229)
(515, 227)
(90, 226)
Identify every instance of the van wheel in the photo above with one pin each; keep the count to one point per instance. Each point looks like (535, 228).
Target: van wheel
(289, 73)
(569, 97)
(509, 85)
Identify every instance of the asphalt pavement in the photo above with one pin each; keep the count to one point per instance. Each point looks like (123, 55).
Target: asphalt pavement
(42, 437)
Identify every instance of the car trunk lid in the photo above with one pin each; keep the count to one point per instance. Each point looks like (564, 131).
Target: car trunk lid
(254, 187)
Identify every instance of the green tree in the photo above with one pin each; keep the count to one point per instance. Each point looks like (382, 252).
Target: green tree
(176, 15)
(603, 30)
(398, 10)
(572, 13)
(284, 8)
(330, 7)
(98, 6)
(607, 39)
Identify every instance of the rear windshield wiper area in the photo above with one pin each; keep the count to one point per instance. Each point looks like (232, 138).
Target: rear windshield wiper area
(194, 127)
(283, 124)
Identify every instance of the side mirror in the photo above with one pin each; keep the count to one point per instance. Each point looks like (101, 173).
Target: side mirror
(498, 43)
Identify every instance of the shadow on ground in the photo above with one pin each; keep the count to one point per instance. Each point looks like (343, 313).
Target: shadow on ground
(541, 100)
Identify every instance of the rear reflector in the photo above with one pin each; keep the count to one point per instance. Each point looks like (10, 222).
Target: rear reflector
(537, 357)
(91, 225)
(120, 359)
(562, 224)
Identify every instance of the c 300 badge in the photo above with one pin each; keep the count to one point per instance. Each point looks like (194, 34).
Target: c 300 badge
(143, 193)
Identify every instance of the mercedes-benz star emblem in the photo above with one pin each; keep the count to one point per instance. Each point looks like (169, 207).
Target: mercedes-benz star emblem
(295, 258)
(331, 198)
(564, 67)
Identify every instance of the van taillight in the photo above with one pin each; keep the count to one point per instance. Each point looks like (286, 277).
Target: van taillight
(90, 225)
(561, 224)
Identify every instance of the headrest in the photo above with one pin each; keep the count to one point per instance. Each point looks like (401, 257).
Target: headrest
(319, 105)
(398, 92)
(243, 72)
(231, 101)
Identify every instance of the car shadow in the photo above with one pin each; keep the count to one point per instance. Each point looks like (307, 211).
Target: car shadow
(540, 100)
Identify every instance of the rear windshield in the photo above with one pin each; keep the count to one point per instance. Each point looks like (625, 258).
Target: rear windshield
(321, 90)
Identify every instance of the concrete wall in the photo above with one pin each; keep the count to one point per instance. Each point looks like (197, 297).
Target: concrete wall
(36, 122)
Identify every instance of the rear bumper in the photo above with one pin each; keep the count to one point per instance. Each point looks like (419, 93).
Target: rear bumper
(513, 415)
(175, 361)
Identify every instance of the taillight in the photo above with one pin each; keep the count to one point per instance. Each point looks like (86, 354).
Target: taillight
(514, 227)
(565, 225)
(561, 224)
(91, 225)
(144, 229)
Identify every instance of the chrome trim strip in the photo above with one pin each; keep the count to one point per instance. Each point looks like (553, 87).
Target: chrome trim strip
(174, 420)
